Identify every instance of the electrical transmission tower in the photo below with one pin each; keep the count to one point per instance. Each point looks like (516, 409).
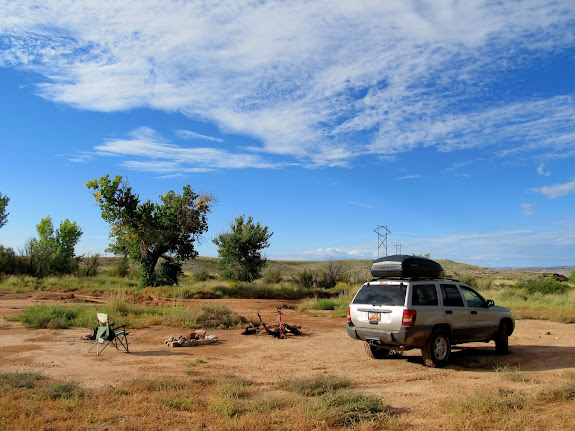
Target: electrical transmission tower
(382, 232)
(397, 248)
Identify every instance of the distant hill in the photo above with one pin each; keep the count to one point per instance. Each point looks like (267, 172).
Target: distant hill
(359, 269)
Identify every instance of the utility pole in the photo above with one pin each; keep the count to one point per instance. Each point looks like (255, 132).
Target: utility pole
(382, 232)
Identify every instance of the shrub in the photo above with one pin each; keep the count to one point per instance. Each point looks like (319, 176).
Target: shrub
(216, 316)
(348, 408)
(202, 275)
(315, 386)
(273, 276)
(8, 261)
(470, 281)
(168, 273)
(63, 390)
(330, 274)
(544, 285)
(122, 269)
(305, 279)
(19, 380)
(44, 316)
(89, 266)
(572, 276)
(325, 304)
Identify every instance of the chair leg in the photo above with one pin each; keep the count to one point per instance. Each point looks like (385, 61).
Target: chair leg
(123, 340)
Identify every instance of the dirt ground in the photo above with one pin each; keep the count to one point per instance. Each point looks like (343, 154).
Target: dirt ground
(544, 351)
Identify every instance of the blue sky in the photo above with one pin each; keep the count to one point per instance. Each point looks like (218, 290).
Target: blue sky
(450, 122)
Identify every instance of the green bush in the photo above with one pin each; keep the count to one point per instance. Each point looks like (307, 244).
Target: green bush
(325, 304)
(470, 281)
(202, 275)
(305, 279)
(63, 390)
(8, 261)
(315, 386)
(19, 380)
(122, 268)
(572, 276)
(44, 316)
(168, 273)
(273, 276)
(544, 285)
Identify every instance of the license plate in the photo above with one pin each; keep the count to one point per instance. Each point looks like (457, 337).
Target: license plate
(373, 316)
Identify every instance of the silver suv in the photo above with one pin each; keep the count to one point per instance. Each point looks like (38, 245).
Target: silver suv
(402, 313)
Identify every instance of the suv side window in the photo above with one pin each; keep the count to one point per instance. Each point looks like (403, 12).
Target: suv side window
(424, 294)
(451, 296)
(473, 298)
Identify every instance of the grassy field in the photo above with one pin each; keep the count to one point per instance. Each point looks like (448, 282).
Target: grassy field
(324, 402)
(525, 292)
(32, 401)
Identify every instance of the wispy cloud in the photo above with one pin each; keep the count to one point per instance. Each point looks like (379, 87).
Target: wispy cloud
(146, 150)
(187, 134)
(408, 177)
(541, 170)
(315, 83)
(557, 190)
(339, 253)
(527, 209)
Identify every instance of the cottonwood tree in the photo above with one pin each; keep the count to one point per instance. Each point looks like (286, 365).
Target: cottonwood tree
(240, 249)
(3, 204)
(148, 231)
(53, 252)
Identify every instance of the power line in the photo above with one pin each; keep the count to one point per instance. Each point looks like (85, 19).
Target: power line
(382, 232)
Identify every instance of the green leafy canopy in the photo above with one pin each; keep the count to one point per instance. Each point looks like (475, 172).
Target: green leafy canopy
(240, 249)
(3, 204)
(148, 231)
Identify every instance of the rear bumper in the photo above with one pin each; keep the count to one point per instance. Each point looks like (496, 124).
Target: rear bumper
(407, 336)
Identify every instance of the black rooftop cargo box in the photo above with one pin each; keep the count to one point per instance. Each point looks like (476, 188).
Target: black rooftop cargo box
(401, 265)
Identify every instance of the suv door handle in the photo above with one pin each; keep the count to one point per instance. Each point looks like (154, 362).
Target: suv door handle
(448, 312)
(474, 312)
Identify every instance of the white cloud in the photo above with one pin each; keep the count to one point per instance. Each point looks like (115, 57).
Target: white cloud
(557, 190)
(314, 82)
(527, 209)
(541, 170)
(187, 134)
(154, 154)
(338, 253)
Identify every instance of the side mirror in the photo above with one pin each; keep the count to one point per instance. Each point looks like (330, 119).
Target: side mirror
(490, 303)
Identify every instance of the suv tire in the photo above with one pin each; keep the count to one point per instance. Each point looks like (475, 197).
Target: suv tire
(437, 350)
(376, 352)
(502, 340)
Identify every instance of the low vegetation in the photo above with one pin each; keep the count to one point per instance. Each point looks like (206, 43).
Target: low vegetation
(30, 401)
(136, 316)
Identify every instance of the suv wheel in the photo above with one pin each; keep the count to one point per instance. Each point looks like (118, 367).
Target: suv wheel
(502, 340)
(376, 352)
(436, 351)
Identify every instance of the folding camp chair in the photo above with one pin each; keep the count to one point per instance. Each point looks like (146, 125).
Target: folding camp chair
(106, 333)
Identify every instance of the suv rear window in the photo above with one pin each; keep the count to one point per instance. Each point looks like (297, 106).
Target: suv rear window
(424, 294)
(381, 294)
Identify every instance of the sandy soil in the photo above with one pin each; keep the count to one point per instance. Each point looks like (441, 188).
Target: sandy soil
(544, 351)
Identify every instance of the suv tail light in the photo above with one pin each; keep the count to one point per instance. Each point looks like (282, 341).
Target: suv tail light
(408, 317)
(348, 314)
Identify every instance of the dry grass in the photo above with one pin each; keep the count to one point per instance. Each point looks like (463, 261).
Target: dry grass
(233, 403)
